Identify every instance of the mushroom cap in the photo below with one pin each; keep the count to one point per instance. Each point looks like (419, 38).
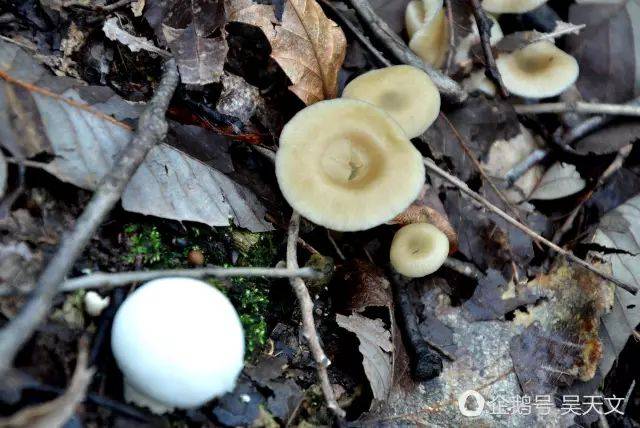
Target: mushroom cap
(347, 165)
(418, 249)
(428, 30)
(178, 341)
(404, 92)
(539, 70)
(420, 12)
(511, 6)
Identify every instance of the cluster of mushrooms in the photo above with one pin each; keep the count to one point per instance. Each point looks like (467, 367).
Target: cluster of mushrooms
(539, 70)
(348, 164)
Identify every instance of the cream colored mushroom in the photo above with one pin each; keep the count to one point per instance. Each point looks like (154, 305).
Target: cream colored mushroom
(511, 6)
(539, 70)
(406, 93)
(462, 56)
(428, 30)
(347, 165)
(418, 250)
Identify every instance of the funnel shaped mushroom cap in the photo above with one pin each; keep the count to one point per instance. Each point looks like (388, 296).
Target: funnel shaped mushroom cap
(428, 30)
(179, 342)
(346, 165)
(539, 70)
(406, 93)
(511, 6)
(418, 250)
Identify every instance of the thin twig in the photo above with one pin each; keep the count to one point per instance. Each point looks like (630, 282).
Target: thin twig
(448, 87)
(308, 324)
(152, 128)
(521, 168)
(615, 166)
(579, 107)
(102, 279)
(478, 166)
(462, 186)
(364, 40)
(484, 25)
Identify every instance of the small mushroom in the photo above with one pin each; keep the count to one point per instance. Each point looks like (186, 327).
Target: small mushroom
(511, 6)
(178, 342)
(94, 303)
(539, 70)
(404, 92)
(418, 249)
(347, 165)
(428, 30)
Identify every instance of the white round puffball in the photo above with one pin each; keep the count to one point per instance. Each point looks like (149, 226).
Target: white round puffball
(179, 342)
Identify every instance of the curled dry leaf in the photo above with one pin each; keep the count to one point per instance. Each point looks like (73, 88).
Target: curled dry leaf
(113, 31)
(559, 181)
(376, 348)
(56, 413)
(248, 12)
(420, 213)
(310, 48)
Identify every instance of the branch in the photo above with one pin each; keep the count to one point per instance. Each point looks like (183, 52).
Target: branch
(484, 25)
(152, 128)
(431, 166)
(364, 40)
(308, 324)
(525, 165)
(101, 279)
(580, 107)
(448, 87)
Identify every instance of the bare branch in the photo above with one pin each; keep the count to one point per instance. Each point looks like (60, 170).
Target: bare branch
(462, 186)
(152, 128)
(579, 107)
(308, 324)
(101, 279)
(484, 25)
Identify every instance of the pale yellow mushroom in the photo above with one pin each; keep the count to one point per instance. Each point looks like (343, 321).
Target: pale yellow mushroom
(406, 93)
(418, 250)
(511, 6)
(428, 30)
(347, 165)
(539, 70)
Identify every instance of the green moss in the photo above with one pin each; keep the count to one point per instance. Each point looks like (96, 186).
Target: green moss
(146, 246)
(250, 296)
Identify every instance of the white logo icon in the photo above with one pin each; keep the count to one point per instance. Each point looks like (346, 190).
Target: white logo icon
(462, 403)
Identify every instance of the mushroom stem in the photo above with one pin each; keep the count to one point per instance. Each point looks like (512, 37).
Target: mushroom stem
(447, 86)
(308, 323)
(462, 186)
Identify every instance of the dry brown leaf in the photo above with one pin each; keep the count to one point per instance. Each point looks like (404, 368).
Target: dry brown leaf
(310, 48)
(248, 12)
(55, 413)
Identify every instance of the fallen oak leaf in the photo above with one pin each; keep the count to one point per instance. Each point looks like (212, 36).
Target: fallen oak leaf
(310, 48)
